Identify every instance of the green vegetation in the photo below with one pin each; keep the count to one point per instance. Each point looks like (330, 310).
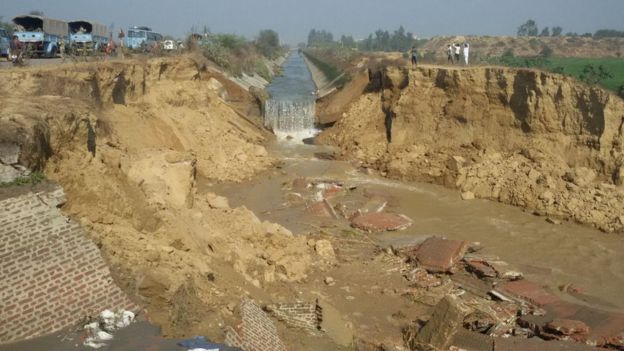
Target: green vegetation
(33, 178)
(528, 29)
(268, 43)
(609, 33)
(382, 40)
(608, 72)
(237, 55)
(331, 71)
(6, 26)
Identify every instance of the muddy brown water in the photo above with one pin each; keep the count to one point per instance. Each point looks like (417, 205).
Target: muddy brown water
(552, 255)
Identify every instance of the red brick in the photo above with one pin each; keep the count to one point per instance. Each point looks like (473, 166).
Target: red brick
(437, 255)
(378, 222)
(567, 327)
(530, 292)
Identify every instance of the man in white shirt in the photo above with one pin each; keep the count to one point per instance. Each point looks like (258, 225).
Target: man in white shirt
(466, 52)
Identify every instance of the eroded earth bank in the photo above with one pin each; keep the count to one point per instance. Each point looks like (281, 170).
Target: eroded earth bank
(527, 138)
(142, 147)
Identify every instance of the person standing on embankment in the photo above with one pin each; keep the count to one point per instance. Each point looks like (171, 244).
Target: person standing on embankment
(466, 52)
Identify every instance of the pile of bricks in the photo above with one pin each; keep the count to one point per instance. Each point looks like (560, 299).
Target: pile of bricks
(51, 274)
(256, 332)
(306, 316)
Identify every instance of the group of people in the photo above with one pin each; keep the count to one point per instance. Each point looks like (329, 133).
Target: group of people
(454, 53)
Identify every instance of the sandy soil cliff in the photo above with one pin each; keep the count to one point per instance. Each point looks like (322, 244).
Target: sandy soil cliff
(528, 138)
(127, 140)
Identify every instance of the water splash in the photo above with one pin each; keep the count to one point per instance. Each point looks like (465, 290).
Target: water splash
(290, 115)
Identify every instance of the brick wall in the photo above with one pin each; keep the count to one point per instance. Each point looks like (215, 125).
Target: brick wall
(51, 274)
(299, 315)
(256, 332)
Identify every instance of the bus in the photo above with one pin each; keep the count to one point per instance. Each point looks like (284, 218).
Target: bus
(86, 37)
(40, 35)
(142, 38)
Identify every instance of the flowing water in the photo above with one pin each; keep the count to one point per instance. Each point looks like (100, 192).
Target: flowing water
(290, 110)
(553, 255)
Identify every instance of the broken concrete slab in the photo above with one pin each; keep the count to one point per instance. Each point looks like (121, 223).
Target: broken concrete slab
(437, 255)
(8, 174)
(438, 333)
(529, 291)
(472, 341)
(481, 268)
(9, 153)
(378, 222)
(332, 191)
(321, 209)
(566, 327)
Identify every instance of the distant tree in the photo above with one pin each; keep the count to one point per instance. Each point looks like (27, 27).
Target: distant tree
(6, 26)
(400, 40)
(347, 42)
(268, 43)
(571, 34)
(556, 31)
(36, 13)
(593, 75)
(609, 33)
(320, 38)
(528, 29)
(587, 35)
(545, 32)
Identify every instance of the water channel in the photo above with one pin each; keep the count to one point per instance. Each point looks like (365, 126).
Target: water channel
(550, 254)
(290, 110)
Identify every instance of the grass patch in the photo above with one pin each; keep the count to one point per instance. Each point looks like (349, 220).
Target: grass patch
(33, 178)
(571, 66)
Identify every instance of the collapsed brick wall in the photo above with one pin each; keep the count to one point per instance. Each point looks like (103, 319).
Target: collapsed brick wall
(256, 332)
(299, 315)
(51, 274)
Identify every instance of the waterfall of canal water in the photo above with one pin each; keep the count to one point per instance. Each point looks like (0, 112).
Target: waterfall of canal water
(290, 115)
(290, 111)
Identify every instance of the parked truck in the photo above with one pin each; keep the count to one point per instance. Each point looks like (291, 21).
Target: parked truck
(40, 35)
(86, 37)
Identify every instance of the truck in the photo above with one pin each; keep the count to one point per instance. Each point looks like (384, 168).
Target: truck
(86, 37)
(40, 35)
(140, 37)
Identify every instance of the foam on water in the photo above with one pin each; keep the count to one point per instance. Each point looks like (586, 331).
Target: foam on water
(290, 112)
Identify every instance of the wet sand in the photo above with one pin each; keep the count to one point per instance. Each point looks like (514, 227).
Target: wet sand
(553, 255)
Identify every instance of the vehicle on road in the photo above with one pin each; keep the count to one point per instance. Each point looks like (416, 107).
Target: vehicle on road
(40, 35)
(86, 37)
(5, 43)
(169, 45)
(142, 38)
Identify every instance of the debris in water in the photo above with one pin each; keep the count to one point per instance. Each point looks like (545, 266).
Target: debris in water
(437, 255)
(378, 222)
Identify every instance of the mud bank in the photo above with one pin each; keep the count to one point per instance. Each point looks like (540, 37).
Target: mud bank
(536, 140)
(126, 141)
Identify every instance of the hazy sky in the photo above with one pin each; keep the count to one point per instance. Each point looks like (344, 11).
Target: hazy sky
(294, 18)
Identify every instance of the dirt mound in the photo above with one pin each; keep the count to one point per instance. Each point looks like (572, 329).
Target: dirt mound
(523, 137)
(485, 46)
(127, 140)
